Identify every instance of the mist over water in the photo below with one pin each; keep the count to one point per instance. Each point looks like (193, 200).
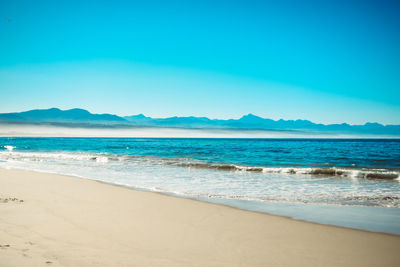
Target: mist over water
(257, 174)
(62, 130)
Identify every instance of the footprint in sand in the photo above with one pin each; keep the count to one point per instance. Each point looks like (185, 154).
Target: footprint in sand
(11, 199)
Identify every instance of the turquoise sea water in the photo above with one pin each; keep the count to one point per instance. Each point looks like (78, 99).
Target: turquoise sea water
(352, 183)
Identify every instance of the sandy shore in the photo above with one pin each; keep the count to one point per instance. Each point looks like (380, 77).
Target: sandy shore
(54, 220)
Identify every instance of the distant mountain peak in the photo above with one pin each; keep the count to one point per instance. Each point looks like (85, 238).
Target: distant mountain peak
(137, 117)
(250, 116)
(77, 109)
(140, 116)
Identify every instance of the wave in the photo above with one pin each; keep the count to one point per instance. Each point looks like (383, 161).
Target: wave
(9, 148)
(353, 173)
(358, 173)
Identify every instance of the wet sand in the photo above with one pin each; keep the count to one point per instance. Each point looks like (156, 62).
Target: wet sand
(55, 220)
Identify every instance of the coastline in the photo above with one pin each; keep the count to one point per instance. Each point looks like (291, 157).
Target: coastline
(69, 221)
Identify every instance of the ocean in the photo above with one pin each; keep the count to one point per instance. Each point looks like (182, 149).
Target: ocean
(345, 182)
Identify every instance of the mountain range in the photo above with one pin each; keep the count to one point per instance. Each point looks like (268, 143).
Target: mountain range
(82, 118)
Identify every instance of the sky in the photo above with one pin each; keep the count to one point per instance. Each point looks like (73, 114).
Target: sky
(325, 61)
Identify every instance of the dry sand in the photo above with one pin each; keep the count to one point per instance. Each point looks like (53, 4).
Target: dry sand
(54, 220)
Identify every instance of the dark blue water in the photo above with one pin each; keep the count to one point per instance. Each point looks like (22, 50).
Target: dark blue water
(343, 153)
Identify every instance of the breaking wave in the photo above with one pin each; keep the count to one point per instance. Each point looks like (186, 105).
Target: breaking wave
(359, 173)
(9, 148)
(353, 173)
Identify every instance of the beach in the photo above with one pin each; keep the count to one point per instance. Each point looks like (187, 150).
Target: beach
(54, 220)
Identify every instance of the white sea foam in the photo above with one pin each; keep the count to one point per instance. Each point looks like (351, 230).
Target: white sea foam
(10, 148)
(186, 177)
(353, 173)
(102, 159)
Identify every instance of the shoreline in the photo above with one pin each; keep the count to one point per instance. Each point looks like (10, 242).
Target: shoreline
(227, 205)
(86, 217)
(205, 200)
(287, 210)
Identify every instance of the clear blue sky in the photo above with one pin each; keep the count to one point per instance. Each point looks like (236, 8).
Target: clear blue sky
(326, 61)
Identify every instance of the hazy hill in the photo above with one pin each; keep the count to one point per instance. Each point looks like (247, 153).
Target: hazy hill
(248, 122)
(57, 115)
